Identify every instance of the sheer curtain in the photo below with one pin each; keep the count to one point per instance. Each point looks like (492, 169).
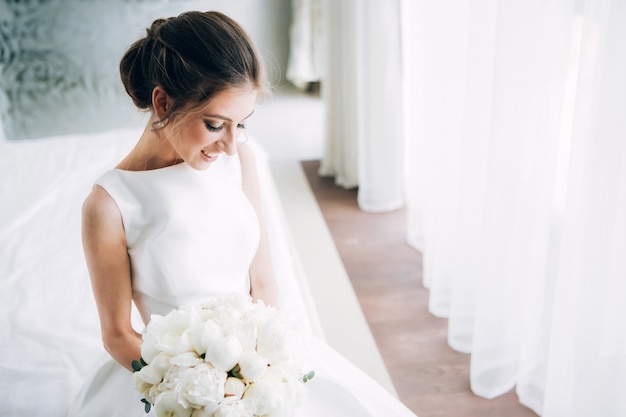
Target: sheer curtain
(306, 40)
(361, 90)
(516, 192)
(513, 114)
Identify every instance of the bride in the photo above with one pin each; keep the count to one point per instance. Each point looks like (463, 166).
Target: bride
(179, 218)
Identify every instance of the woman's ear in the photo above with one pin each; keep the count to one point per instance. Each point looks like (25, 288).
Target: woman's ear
(160, 102)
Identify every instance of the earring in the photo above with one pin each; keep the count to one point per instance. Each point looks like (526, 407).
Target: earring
(158, 124)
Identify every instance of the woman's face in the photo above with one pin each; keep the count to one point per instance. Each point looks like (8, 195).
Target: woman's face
(199, 141)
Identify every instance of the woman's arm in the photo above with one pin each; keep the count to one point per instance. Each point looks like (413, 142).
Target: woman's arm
(262, 281)
(104, 243)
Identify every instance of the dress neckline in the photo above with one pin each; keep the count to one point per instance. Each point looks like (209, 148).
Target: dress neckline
(180, 164)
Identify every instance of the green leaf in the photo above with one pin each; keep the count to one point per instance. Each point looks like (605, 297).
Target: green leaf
(136, 365)
(308, 376)
(235, 372)
(142, 362)
(147, 406)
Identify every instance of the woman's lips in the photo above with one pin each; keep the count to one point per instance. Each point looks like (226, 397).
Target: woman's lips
(211, 156)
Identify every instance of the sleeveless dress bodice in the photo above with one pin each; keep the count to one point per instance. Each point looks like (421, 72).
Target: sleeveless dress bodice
(189, 233)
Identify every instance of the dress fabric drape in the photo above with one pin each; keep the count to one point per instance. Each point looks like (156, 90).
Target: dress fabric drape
(516, 192)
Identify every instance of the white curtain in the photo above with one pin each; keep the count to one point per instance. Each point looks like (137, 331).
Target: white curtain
(514, 160)
(306, 43)
(516, 192)
(361, 91)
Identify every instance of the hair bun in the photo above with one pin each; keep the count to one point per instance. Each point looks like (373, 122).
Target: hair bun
(198, 55)
(153, 30)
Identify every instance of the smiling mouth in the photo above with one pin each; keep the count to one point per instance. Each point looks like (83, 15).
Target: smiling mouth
(209, 154)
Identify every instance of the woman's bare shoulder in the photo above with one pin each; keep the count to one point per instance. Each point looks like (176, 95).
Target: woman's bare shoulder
(100, 211)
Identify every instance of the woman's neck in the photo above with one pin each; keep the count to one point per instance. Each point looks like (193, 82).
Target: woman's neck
(152, 151)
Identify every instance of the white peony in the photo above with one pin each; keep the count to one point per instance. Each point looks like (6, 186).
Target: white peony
(148, 348)
(167, 334)
(245, 329)
(186, 360)
(267, 397)
(155, 371)
(234, 387)
(203, 412)
(233, 407)
(204, 334)
(252, 366)
(142, 386)
(166, 405)
(190, 352)
(273, 341)
(200, 386)
(223, 353)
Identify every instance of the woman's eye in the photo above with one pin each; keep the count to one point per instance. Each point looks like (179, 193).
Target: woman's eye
(213, 128)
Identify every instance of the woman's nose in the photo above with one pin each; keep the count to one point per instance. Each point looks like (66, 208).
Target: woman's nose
(229, 142)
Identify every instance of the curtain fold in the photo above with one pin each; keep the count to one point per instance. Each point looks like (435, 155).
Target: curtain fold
(518, 234)
(306, 40)
(586, 372)
(513, 163)
(364, 141)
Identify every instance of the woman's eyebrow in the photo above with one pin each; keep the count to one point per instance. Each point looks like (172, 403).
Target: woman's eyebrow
(227, 119)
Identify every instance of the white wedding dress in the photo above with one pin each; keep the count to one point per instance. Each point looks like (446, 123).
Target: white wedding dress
(192, 234)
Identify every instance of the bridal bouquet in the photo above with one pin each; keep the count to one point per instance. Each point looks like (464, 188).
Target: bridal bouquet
(224, 357)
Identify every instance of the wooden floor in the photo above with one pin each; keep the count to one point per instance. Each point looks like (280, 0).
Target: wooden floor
(430, 377)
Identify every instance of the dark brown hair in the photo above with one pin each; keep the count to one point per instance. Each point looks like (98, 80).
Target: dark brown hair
(192, 57)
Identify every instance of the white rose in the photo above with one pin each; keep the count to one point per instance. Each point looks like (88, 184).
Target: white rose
(252, 366)
(234, 387)
(223, 353)
(200, 386)
(233, 407)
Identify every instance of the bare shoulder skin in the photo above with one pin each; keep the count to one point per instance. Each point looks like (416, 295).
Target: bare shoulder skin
(104, 244)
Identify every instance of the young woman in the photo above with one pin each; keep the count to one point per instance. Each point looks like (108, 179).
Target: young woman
(179, 218)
